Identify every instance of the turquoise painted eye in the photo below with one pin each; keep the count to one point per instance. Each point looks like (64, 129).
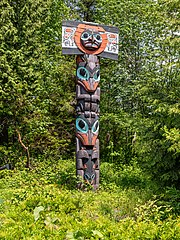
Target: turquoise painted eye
(81, 125)
(95, 127)
(85, 36)
(97, 37)
(96, 76)
(93, 176)
(87, 176)
(83, 73)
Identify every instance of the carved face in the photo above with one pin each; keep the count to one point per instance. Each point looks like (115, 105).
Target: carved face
(87, 163)
(91, 40)
(88, 72)
(89, 170)
(88, 78)
(87, 131)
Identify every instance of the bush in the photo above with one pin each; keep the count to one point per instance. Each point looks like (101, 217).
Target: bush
(44, 204)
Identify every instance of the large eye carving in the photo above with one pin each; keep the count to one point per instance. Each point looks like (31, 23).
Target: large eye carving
(93, 176)
(83, 73)
(87, 176)
(95, 127)
(97, 37)
(85, 36)
(81, 125)
(96, 75)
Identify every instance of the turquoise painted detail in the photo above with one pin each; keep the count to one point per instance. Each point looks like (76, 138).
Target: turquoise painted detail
(96, 76)
(95, 127)
(81, 125)
(85, 36)
(83, 73)
(98, 37)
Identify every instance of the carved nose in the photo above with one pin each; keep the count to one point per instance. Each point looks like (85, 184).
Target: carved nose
(92, 38)
(91, 83)
(90, 138)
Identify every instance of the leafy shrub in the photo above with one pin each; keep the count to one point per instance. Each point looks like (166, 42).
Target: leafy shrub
(44, 204)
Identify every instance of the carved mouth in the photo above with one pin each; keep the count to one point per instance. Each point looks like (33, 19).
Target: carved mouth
(91, 45)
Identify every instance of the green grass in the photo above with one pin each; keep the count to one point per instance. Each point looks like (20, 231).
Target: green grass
(45, 204)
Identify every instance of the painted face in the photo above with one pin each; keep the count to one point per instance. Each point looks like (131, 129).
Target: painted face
(88, 72)
(68, 32)
(89, 78)
(91, 40)
(86, 131)
(112, 38)
(89, 170)
(87, 164)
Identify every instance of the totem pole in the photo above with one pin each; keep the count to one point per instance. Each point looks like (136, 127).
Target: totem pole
(88, 41)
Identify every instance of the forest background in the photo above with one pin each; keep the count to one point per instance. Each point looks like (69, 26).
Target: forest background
(139, 120)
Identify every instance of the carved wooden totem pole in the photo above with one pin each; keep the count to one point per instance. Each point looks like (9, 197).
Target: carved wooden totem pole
(88, 41)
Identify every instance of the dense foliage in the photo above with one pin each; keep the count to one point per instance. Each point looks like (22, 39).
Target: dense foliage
(43, 204)
(36, 92)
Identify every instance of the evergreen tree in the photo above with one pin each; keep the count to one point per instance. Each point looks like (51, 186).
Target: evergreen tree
(35, 91)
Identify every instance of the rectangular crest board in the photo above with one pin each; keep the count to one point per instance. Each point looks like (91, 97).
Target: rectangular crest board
(75, 34)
